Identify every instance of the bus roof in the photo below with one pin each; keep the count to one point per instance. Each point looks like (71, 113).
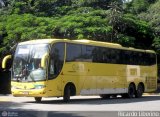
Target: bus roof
(85, 41)
(38, 41)
(98, 43)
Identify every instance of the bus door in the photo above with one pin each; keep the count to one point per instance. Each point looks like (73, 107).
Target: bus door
(55, 67)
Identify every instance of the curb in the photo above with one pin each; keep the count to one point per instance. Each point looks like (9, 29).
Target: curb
(158, 94)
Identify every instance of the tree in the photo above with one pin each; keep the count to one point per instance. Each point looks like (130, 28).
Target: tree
(83, 23)
(102, 20)
(98, 4)
(138, 6)
(16, 28)
(152, 17)
(115, 17)
(140, 30)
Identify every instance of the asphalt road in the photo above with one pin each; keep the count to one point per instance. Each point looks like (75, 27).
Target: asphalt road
(80, 106)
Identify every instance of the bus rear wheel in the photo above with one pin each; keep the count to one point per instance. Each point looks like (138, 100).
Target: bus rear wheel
(67, 94)
(139, 91)
(38, 99)
(131, 91)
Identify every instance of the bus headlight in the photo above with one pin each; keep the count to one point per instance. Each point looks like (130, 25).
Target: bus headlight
(39, 86)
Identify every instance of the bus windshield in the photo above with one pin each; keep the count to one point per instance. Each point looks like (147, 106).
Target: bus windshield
(27, 63)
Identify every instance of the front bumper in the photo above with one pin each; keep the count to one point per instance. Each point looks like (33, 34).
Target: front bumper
(29, 93)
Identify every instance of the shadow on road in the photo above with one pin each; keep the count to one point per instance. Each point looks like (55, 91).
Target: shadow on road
(12, 109)
(99, 101)
(16, 108)
(31, 113)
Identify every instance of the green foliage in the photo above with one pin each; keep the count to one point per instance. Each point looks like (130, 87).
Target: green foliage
(115, 16)
(138, 6)
(101, 4)
(54, 7)
(24, 27)
(156, 43)
(103, 20)
(83, 23)
(152, 15)
(153, 18)
(126, 40)
(17, 28)
(138, 29)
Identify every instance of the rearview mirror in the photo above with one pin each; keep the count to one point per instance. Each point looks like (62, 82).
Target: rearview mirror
(44, 60)
(5, 60)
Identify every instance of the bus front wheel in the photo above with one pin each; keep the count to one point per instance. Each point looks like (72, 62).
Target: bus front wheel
(67, 94)
(38, 99)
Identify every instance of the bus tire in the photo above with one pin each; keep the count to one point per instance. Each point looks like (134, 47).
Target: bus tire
(67, 94)
(38, 99)
(104, 96)
(140, 90)
(131, 91)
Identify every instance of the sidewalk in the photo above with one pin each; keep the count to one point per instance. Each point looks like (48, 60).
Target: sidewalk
(4, 97)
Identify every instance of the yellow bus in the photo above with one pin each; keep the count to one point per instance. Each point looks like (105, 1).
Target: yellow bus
(65, 68)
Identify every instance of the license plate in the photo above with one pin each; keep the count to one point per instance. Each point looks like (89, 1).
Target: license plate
(26, 92)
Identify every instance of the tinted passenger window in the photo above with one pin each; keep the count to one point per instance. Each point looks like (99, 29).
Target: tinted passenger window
(74, 52)
(87, 53)
(56, 59)
(152, 59)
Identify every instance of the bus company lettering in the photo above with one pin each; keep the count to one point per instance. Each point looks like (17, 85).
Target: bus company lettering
(78, 67)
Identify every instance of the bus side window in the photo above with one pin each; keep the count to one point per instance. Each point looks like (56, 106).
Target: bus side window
(87, 53)
(74, 52)
(56, 60)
